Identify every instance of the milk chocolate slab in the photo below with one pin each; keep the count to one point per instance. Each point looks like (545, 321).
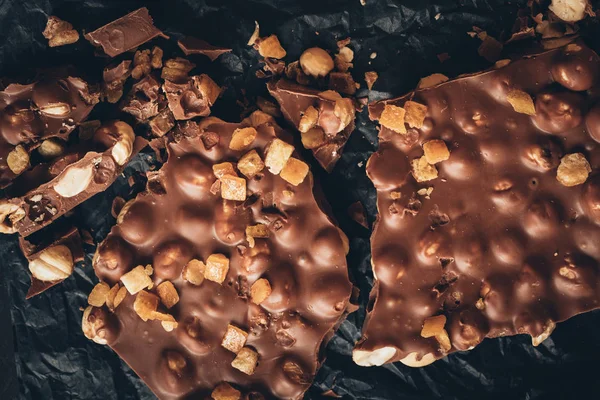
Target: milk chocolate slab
(296, 249)
(295, 99)
(51, 107)
(125, 33)
(69, 180)
(503, 241)
(56, 235)
(191, 45)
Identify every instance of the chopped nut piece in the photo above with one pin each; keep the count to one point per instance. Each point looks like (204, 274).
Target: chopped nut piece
(490, 48)
(521, 101)
(223, 169)
(136, 280)
(255, 34)
(295, 171)
(234, 339)
(51, 148)
(162, 123)
(167, 321)
(193, 272)
(316, 62)
(142, 64)
(208, 88)
(224, 391)
(168, 294)
(415, 114)
(98, 295)
(157, 55)
(270, 47)
(432, 80)
(573, 170)
(343, 60)
(121, 294)
(111, 296)
(435, 151)
(53, 264)
(176, 69)
(277, 156)
(422, 170)
(242, 138)
(392, 118)
(501, 63)
(149, 270)
(433, 326)
(246, 361)
(371, 77)
(395, 195)
(250, 164)
(260, 290)
(233, 188)
(313, 138)
(308, 120)
(59, 32)
(344, 110)
(217, 266)
(443, 340)
(145, 305)
(18, 160)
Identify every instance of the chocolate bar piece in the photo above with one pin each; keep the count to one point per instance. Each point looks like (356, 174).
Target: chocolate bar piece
(324, 118)
(73, 178)
(234, 277)
(51, 107)
(52, 256)
(125, 33)
(191, 45)
(488, 195)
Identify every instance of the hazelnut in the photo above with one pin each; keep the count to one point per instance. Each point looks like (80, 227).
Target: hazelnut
(573, 170)
(569, 10)
(74, 180)
(309, 119)
(51, 148)
(260, 290)
(18, 160)
(52, 264)
(10, 214)
(316, 62)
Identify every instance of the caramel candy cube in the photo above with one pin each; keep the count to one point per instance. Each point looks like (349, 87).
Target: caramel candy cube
(136, 280)
(217, 266)
(224, 391)
(167, 321)
(415, 114)
(422, 170)
(308, 120)
(392, 118)
(260, 290)
(234, 339)
(245, 361)
(242, 138)
(111, 296)
(193, 272)
(168, 294)
(233, 188)
(145, 305)
(224, 169)
(250, 164)
(433, 326)
(270, 47)
(435, 151)
(121, 294)
(278, 154)
(295, 171)
(98, 295)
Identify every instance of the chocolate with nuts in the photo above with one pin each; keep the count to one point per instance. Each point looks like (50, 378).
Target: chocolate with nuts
(235, 278)
(51, 107)
(325, 119)
(488, 197)
(71, 179)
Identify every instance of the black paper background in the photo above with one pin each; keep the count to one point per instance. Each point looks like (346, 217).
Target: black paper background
(53, 358)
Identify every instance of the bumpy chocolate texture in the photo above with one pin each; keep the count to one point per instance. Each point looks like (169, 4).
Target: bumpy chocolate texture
(125, 33)
(498, 246)
(68, 180)
(31, 113)
(334, 118)
(182, 217)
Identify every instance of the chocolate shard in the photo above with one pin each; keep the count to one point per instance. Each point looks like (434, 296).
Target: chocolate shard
(125, 33)
(503, 227)
(191, 45)
(256, 284)
(29, 114)
(326, 135)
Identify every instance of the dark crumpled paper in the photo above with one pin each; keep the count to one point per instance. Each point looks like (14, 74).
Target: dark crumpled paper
(55, 361)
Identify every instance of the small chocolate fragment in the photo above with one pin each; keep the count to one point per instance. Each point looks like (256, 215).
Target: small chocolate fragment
(192, 97)
(334, 122)
(191, 45)
(114, 78)
(125, 33)
(256, 317)
(143, 101)
(501, 236)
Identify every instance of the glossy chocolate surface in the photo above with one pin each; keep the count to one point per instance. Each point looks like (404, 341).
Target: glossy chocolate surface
(294, 99)
(31, 113)
(178, 219)
(500, 247)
